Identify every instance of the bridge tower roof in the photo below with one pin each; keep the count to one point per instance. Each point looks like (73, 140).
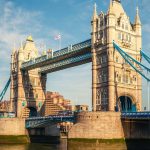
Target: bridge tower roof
(137, 17)
(29, 38)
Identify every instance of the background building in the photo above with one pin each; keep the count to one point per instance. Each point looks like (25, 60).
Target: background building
(56, 103)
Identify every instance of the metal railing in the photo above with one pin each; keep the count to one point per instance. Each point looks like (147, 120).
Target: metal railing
(58, 53)
(135, 115)
(66, 62)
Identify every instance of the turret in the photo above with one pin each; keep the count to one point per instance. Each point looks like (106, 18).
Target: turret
(137, 17)
(12, 55)
(94, 24)
(137, 23)
(138, 29)
(119, 1)
(111, 23)
(110, 9)
(20, 53)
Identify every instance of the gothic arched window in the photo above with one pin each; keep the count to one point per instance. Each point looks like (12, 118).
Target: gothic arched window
(122, 25)
(126, 27)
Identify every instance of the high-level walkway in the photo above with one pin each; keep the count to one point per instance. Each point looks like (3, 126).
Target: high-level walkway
(70, 56)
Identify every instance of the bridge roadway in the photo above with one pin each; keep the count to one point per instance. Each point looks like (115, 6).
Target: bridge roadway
(136, 115)
(70, 56)
(36, 122)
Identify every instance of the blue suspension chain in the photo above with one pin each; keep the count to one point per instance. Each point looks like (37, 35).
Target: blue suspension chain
(129, 62)
(134, 60)
(5, 89)
(145, 56)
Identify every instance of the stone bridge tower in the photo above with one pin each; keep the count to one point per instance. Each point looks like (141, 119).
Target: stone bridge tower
(115, 85)
(28, 88)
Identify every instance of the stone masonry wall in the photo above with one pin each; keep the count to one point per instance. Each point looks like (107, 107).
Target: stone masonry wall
(100, 125)
(12, 126)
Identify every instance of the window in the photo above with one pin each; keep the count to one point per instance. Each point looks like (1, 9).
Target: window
(126, 37)
(36, 96)
(122, 36)
(125, 78)
(105, 20)
(101, 34)
(122, 25)
(117, 60)
(98, 96)
(129, 38)
(119, 36)
(126, 27)
(101, 23)
(119, 78)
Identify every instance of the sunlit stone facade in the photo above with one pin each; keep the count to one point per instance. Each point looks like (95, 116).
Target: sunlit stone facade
(27, 91)
(112, 76)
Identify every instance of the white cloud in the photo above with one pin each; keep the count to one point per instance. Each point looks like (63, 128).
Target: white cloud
(15, 23)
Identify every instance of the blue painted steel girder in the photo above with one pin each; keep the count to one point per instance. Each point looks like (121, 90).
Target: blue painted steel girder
(136, 115)
(69, 52)
(67, 63)
(36, 122)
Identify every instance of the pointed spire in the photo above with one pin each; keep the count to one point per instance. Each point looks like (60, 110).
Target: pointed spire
(110, 10)
(117, 1)
(137, 17)
(21, 47)
(14, 48)
(29, 38)
(95, 12)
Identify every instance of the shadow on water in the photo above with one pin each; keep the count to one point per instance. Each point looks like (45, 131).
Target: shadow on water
(75, 145)
(138, 131)
(130, 145)
(94, 146)
(35, 146)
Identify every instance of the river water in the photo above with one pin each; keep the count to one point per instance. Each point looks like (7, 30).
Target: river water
(77, 146)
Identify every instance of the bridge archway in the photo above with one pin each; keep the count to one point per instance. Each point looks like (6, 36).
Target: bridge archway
(29, 112)
(126, 104)
(33, 112)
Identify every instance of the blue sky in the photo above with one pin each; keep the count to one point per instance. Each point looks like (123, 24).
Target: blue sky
(71, 18)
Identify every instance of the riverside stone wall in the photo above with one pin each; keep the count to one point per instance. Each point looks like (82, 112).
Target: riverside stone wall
(100, 125)
(12, 126)
(108, 125)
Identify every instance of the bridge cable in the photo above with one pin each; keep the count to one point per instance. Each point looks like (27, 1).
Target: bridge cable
(147, 58)
(148, 94)
(129, 62)
(5, 89)
(137, 62)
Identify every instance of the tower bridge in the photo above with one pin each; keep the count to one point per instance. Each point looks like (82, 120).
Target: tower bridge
(115, 50)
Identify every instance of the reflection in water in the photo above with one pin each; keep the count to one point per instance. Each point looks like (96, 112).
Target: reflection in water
(78, 146)
(12, 147)
(34, 146)
(94, 146)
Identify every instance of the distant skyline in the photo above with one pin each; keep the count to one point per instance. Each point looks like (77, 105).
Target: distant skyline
(71, 18)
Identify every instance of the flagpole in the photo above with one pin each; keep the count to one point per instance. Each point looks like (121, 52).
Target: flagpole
(58, 38)
(60, 43)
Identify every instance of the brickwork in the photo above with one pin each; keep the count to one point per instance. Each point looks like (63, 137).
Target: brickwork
(112, 77)
(12, 126)
(108, 125)
(27, 88)
(55, 103)
(100, 125)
